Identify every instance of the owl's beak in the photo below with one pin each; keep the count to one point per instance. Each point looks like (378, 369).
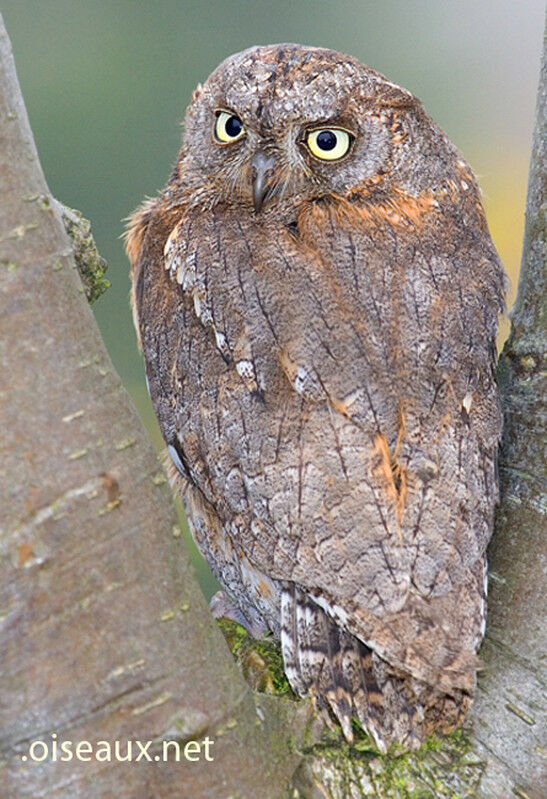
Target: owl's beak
(262, 166)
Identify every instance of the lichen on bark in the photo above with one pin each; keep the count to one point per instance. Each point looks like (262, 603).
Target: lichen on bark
(91, 265)
(443, 767)
(261, 662)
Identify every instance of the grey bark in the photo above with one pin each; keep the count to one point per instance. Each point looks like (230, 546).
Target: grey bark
(512, 689)
(104, 633)
(103, 630)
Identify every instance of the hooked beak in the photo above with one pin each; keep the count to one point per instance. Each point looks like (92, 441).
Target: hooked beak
(261, 172)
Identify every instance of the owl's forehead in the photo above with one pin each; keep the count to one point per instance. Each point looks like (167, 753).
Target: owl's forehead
(278, 84)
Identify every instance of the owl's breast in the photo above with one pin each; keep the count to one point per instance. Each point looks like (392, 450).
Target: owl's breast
(317, 387)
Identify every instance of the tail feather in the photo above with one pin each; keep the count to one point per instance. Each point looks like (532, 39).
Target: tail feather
(346, 677)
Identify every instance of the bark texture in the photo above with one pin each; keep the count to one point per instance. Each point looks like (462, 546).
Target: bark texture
(512, 696)
(103, 630)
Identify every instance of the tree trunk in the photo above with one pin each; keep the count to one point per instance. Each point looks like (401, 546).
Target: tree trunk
(510, 709)
(104, 632)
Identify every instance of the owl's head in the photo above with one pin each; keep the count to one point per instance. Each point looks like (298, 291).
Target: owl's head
(286, 122)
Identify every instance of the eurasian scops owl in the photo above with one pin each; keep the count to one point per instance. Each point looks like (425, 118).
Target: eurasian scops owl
(316, 296)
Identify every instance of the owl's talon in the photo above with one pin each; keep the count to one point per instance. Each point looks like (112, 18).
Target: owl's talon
(222, 607)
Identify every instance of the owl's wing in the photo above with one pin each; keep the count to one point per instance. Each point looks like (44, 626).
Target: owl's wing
(327, 382)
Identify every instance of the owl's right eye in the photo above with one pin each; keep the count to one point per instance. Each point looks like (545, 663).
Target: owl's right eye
(228, 127)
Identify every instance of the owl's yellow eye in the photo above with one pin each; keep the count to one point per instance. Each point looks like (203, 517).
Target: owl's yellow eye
(329, 144)
(228, 127)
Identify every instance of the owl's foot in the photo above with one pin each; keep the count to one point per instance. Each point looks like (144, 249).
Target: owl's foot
(222, 607)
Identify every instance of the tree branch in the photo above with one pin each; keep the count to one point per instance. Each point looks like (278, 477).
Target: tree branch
(104, 632)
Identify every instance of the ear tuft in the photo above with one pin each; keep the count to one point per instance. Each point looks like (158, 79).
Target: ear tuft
(197, 92)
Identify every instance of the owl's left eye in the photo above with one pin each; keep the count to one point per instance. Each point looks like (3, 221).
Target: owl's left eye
(329, 144)
(228, 127)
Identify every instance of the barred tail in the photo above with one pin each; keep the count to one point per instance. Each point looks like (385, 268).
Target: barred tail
(347, 678)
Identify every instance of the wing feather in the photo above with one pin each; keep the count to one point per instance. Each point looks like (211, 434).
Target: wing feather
(333, 394)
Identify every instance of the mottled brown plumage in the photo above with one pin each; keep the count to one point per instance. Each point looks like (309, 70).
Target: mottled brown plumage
(319, 339)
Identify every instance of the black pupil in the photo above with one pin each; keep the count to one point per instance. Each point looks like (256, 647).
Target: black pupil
(326, 140)
(233, 126)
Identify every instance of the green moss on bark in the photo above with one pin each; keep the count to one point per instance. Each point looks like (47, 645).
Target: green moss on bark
(443, 767)
(90, 264)
(261, 662)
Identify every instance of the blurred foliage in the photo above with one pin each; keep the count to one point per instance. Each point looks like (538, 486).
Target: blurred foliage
(106, 85)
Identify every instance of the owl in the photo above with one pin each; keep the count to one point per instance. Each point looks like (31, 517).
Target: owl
(316, 296)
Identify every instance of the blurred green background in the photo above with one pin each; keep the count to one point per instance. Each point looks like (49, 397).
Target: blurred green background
(106, 84)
